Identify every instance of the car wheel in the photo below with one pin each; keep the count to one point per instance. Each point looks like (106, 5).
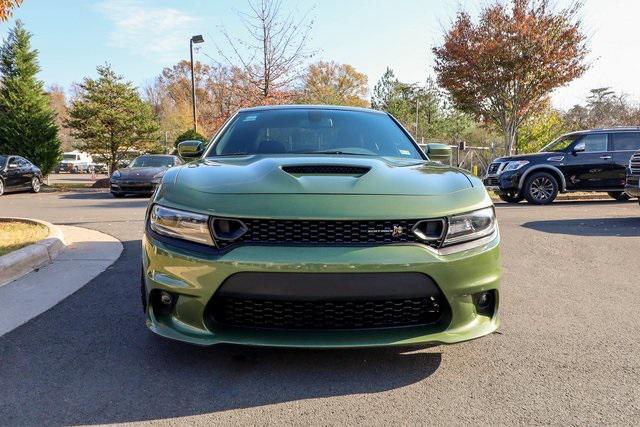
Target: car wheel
(117, 195)
(541, 188)
(1, 187)
(619, 195)
(35, 184)
(511, 198)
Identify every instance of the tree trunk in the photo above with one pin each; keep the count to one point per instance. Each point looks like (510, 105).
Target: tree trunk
(509, 139)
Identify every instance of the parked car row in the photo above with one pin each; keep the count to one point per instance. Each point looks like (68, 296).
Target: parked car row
(591, 160)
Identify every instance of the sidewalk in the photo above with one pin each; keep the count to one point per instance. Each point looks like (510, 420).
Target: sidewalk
(88, 254)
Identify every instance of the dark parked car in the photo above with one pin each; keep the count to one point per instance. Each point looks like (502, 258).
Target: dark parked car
(632, 186)
(591, 160)
(18, 174)
(142, 175)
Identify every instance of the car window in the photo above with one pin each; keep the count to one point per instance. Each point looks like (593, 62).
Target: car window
(313, 131)
(559, 145)
(628, 141)
(595, 142)
(152, 162)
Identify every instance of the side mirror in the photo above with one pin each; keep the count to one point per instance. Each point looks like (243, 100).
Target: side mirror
(579, 148)
(439, 152)
(190, 149)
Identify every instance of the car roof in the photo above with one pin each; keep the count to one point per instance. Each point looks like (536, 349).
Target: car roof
(310, 107)
(606, 130)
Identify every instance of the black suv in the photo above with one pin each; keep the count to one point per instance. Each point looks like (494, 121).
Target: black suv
(590, 160)
(632, 187)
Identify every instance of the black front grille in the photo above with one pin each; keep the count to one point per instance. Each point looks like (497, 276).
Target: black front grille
(278, 314)
(325, 170)
(266, 231)
(493, 168)
(492, 182)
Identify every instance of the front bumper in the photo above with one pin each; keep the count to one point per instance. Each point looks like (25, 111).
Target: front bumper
(196, 276)
(132, 187)
(505, 183)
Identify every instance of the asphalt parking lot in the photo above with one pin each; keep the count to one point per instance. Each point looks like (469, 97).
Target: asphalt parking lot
(568, 350)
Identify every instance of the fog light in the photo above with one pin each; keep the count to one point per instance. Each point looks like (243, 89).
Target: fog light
(165, 298)
(485, 302)
(162, 302)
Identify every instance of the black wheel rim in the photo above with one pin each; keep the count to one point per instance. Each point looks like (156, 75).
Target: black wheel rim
(541, 188)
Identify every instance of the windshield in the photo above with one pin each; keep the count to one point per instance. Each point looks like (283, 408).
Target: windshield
(69, 157)
(560, 144)
(152, 162)
(314, 131)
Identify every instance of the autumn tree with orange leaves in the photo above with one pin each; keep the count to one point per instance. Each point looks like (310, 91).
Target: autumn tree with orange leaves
(503, 67)
(6, 8)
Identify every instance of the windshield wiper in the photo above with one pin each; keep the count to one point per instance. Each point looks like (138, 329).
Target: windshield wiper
(346, 153)
(239, 153)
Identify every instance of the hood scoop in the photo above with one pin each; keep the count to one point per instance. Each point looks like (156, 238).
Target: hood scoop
(298, 170)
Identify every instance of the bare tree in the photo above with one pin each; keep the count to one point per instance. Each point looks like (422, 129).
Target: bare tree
(273, 54)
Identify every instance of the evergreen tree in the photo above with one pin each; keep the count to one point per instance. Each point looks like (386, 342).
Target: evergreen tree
(110, 119)
(27, 122)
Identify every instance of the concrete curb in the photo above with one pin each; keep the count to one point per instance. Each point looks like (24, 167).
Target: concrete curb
(22, 261)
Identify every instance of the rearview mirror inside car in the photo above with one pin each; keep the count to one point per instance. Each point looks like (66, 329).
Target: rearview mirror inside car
(439, 152)
(190, 149)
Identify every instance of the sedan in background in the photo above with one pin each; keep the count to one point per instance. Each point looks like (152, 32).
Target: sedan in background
(143, 175)
(19, 174)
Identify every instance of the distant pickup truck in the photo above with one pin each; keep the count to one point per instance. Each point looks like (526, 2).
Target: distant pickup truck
(75, 162)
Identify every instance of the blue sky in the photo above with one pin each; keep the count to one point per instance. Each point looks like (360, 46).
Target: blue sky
(139, 37)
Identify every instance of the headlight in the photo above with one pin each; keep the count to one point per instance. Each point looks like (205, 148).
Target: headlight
(514, 166)
(116, 175)
(470, 226)
(180, 224)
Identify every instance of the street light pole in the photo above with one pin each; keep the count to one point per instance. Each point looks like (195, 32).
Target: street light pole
(194, 39)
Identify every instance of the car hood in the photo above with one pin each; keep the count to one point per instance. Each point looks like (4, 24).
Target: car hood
(140, 173)
(307, 175)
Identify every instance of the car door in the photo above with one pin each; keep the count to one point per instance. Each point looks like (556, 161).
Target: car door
(588, 164)
(13, 173)
(623, 145)
(25, 172)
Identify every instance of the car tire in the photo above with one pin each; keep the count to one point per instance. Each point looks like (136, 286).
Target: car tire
(621, 196)
(36, 184)
(1, 187)
(117, 195)
(540, 188)
(511, 198)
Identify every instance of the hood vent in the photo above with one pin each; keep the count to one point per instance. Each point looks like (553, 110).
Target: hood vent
(326, 170)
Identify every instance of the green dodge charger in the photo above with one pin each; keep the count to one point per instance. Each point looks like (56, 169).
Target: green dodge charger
(316, 226)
